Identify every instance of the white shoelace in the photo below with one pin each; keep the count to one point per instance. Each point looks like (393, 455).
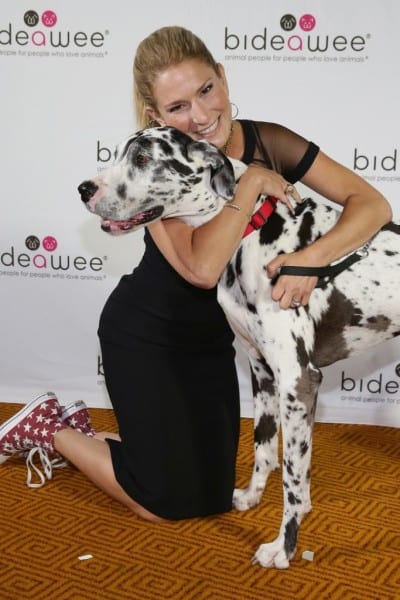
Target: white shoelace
(47, 466)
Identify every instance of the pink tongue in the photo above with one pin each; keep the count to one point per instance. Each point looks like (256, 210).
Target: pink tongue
(116, 226)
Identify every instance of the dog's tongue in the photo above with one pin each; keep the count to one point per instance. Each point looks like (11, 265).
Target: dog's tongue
(119, 227)
(116, 227)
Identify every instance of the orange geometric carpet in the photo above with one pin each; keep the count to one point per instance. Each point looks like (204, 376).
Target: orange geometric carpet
(354, 531)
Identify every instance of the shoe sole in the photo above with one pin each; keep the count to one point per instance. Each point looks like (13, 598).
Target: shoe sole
(14, 420)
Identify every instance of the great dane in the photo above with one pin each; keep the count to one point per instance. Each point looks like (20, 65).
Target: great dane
(160, 173)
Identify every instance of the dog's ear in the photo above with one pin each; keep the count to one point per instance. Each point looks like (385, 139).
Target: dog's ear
(222, 175)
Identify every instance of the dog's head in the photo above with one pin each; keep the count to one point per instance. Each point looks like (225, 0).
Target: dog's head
(159, 173)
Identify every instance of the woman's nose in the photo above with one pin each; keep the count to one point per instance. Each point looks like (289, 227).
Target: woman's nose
(199, 113)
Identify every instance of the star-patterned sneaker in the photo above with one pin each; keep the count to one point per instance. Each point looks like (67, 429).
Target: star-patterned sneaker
(76, 415)
(38, 463)
(34, 426)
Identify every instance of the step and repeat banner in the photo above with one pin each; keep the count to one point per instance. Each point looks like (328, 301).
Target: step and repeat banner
(325, 69)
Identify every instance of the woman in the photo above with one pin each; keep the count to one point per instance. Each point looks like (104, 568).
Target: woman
(167, 348)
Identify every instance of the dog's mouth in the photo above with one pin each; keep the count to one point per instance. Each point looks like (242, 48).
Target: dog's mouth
(117, 227)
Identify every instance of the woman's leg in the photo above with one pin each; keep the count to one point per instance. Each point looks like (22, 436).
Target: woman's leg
(93, 457)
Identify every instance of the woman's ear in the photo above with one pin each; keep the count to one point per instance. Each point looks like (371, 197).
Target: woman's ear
(153, 116)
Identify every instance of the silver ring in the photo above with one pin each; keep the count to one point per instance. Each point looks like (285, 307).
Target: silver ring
(296, 303)
(289, 189)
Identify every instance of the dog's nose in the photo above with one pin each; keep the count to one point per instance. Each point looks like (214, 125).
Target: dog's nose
(87, 190)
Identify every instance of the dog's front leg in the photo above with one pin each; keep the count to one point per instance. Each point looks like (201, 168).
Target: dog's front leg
(297, 418)
(266, 434)
(266, 407)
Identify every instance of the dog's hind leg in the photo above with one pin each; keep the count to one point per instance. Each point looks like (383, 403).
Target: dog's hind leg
(266, 434)
(297, 407)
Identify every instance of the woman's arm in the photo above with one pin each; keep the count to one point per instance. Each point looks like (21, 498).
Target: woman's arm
(365, 211)
(200, 255)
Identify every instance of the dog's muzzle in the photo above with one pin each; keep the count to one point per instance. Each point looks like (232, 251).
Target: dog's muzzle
(87, 190)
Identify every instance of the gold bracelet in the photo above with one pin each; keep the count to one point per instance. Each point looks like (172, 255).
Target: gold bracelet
(232, 205)
(237, 207)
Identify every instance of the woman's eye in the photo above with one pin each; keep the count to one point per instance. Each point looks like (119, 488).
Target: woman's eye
(175, 108)
(207, 89)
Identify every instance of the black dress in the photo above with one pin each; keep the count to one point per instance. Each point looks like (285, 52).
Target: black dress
(170, 373)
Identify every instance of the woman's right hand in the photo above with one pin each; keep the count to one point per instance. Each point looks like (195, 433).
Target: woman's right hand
(260, 180)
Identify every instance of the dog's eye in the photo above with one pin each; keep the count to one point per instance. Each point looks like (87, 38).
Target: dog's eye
(142, 159)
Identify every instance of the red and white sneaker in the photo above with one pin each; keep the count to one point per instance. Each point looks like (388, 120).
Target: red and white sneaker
(33, 426)
(76, 415)
(29, 434)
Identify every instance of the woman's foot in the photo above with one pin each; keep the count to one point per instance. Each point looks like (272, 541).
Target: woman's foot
(34, 426)
(30, 432)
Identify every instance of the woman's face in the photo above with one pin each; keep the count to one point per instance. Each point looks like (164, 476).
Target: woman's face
(193, 98)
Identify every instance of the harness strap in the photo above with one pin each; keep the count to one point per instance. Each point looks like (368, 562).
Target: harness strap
(261, 215)
(324, 274)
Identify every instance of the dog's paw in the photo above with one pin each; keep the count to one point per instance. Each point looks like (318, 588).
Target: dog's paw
(272, 555)
(246, 498)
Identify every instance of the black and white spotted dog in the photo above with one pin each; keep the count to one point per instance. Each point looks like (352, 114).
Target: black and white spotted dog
(161, 173)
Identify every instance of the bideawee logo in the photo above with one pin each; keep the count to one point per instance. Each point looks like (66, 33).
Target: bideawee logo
(381, 168)
(295, 39)
(380, 388)
(42, 36)
(41, 259)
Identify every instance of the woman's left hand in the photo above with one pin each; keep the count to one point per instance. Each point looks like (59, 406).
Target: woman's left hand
(291, 291)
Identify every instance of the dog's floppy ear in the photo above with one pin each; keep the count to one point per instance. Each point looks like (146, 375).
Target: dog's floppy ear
(222, 176)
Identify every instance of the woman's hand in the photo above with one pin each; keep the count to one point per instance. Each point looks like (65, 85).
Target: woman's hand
(266, 181)
(291, 291)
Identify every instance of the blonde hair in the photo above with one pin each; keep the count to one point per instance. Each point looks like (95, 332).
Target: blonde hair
(163, 48)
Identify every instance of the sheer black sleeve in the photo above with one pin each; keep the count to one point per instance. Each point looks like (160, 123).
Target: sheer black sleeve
(278, 148)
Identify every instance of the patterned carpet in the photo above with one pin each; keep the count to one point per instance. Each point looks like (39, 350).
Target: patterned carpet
(354, 531)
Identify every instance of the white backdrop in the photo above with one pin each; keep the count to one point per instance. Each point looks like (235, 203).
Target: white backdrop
(321, 69)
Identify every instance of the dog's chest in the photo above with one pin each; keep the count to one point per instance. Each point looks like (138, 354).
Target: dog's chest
(245, 276)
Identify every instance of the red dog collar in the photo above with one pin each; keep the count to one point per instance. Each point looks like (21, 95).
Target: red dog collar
(261, 215)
